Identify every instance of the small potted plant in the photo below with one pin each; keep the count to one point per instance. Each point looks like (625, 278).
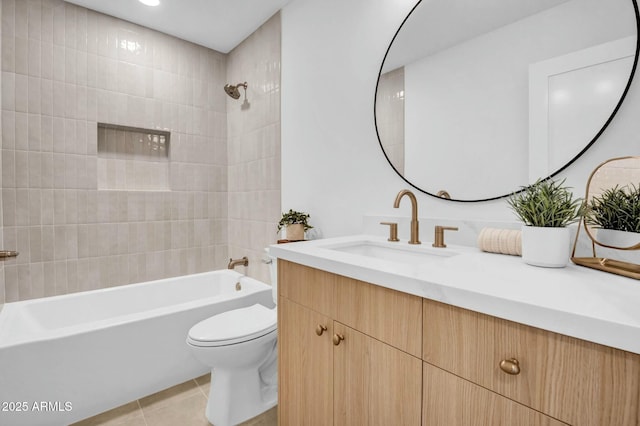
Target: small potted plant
(296, 223)
(546, 208)
(616, 215)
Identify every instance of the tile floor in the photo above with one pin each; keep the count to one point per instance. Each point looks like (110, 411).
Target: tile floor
(182, 405)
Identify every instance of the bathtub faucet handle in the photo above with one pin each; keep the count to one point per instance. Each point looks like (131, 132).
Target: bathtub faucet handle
(4, 254)
(235, 262)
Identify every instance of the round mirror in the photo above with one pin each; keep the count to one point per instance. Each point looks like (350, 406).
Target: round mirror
(476, 99)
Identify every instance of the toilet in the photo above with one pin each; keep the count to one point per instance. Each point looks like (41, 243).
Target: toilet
(240, 346)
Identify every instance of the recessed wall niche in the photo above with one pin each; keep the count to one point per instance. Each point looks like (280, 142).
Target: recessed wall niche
(131, 158)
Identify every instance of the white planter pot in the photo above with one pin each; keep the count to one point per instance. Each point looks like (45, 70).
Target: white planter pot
(548, 247)
(295, 232)
(615, 238)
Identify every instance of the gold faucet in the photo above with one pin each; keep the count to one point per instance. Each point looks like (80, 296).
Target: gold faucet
(393, 231)
(235, 262)
(438, 238)
(415, 233)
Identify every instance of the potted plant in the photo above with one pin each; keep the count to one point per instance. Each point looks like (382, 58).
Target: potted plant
(616, 215)
(546, 208)
(296, 223)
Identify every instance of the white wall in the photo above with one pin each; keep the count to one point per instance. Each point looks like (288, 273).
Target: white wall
(332, 165)
(467, 107)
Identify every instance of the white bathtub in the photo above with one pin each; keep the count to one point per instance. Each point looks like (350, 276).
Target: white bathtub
(69, 357)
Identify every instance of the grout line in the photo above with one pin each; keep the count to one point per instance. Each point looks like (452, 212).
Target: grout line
(142, 411)
(200, 388)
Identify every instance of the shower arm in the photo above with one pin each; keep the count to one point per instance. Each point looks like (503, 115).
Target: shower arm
(236, 86)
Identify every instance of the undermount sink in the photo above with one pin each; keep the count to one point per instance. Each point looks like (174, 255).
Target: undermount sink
(395, 252)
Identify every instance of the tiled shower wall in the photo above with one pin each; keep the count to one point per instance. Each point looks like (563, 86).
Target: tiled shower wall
(65, 68)
(254, 146)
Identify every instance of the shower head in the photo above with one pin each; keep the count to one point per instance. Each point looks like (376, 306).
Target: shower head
(232, 90)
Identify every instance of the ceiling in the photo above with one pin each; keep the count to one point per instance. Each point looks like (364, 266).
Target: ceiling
(217, 24)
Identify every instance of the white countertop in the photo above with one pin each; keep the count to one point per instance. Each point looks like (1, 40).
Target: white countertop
(576, 301)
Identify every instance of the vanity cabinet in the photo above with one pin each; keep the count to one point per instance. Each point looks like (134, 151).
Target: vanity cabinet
(339, 364)
(403, 360)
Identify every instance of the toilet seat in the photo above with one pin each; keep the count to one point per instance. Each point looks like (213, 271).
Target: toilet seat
(233, 327)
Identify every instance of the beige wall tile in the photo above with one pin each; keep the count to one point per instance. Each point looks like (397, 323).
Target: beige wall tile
(36, 277)
(253, 150)
(21, 57)
(48, 244)
(64, 70)
(22, 93)
(8, 206)
(49, 271)
(8, 91)
(11, 283)
(34, 58)
(8, 16)
(8, 169)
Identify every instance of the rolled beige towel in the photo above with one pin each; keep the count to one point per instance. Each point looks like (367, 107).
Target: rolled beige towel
(503, 241)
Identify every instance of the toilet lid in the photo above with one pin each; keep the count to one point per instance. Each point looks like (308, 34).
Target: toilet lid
(238, 325)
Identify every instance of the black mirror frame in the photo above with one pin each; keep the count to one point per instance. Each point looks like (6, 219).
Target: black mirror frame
(595, 138)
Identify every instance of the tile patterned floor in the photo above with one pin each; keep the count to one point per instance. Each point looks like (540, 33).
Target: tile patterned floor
(182, 404)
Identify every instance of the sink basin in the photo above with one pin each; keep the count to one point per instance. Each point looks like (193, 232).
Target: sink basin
(395, 252)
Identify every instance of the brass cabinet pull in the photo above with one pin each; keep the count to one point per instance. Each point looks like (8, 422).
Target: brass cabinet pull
(8, 253)
(510, 366)
(337, 338)
(320, 329)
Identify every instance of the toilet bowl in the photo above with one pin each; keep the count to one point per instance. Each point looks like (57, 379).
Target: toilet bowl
(240, 346)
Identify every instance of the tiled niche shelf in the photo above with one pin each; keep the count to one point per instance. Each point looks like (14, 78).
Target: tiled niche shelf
(131, 158)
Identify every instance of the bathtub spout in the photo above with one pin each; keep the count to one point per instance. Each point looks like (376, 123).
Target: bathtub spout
(235, 262)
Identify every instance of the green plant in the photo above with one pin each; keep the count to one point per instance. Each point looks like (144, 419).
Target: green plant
(293, 217)
(546, 203)
(616, 208)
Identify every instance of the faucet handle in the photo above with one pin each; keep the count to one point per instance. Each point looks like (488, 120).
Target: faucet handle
(438, 239)
(393, 230)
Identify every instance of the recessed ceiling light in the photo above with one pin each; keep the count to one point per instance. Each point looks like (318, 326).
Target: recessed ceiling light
(150, 2)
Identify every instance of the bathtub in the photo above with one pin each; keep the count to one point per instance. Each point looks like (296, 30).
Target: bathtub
(69, 357)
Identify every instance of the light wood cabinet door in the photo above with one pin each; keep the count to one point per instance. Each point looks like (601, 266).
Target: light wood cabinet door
(374, 383)
(305, 366)
(452, 401)
(578, 382)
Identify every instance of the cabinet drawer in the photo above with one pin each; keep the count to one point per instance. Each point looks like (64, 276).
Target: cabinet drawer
(307, 286)
(390, 316)
(452, 401)
(387, 315)
(578, 382)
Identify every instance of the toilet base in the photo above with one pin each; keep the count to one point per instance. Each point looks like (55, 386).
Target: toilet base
(244, 378)
(238, 395)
